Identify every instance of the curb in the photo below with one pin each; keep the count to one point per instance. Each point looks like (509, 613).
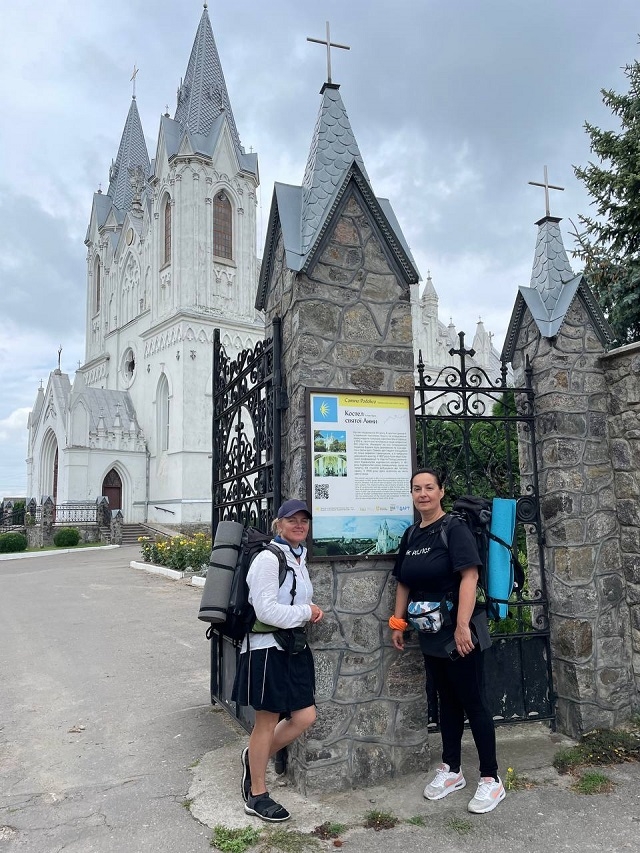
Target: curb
(196, 580)
(48, 553)
(157, 570)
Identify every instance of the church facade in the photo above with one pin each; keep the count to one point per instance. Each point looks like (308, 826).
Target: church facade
(170, 257)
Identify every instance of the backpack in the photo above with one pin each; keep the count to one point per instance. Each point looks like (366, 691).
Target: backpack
(500, 570)
(241, 616)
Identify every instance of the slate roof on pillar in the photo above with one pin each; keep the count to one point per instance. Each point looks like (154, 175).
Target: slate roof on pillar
(304, 213)
(553, 288)
(333, 150)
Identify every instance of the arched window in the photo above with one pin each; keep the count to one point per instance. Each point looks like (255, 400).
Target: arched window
(222, 227)
(166, 254)
(96, 286)
(162, 413)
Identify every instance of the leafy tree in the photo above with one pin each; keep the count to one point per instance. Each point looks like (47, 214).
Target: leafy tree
(609, 244)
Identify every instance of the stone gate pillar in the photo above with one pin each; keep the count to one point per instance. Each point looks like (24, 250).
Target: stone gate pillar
(347, 324)
(558, 329)
(338, 272)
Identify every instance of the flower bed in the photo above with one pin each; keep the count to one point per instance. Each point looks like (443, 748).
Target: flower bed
(182, 553)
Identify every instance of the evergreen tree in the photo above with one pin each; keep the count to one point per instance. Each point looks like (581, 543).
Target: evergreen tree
(609, 244)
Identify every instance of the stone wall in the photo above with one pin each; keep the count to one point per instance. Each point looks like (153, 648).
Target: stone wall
(622, 372)
(347, 325)
(587, 485)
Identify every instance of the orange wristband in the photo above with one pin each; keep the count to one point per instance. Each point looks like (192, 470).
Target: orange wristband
(397, 624)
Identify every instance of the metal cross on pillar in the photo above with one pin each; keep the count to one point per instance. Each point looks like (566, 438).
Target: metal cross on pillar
(133, 80)
(329, 45)
(547, 186)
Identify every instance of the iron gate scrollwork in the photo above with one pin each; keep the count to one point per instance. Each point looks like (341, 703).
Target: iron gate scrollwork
(480, 433)
(248, 399)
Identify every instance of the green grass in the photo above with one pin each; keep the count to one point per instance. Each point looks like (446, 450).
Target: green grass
(601, 746)
(287, 841)
(514, 781)
(234, 840)
(417, 820)
(328, 830)
(460, 825)
(380, 820)
(593, 782)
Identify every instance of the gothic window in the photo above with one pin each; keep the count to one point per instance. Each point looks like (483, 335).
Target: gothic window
(162, 413)
(166, 252)
(222, 227)
(96, 286)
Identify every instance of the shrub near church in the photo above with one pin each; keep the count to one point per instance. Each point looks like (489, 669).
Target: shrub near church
(11, 543)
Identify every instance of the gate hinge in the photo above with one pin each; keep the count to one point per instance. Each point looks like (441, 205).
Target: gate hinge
(282, 398)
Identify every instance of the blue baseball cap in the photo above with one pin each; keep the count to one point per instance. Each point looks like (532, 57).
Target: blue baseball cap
(291, 507)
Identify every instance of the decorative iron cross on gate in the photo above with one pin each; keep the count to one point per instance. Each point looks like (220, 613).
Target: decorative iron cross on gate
(329, 45)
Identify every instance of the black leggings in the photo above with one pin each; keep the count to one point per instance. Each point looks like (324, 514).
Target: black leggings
(459, 686)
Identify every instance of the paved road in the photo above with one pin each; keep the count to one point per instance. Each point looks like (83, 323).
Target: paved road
(104, 706)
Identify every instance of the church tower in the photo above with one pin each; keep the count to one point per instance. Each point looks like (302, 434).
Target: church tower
(170, 257)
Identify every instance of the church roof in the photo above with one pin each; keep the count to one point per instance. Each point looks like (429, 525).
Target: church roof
(131, 153)
(105, 403)
(202, 95)
(304, 213)
(553, 288)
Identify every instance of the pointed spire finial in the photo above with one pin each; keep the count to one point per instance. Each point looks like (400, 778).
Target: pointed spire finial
(133, 79)
(329, 44)
(59, 354)
(547, 186)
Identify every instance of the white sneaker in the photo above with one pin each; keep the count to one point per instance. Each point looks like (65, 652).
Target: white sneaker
(444, 783)
(487, 797)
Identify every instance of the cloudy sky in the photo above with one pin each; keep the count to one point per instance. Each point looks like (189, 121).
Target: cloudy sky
(456, 105)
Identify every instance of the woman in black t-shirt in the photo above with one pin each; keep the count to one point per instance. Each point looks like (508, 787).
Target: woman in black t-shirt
(428, 570)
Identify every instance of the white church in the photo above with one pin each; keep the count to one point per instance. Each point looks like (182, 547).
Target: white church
(171, 256)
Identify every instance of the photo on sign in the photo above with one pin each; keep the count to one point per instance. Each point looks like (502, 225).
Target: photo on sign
(329, 453)
(354, 535)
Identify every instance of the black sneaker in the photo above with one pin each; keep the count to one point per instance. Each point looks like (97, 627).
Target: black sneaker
(265, 808)
(245, 785)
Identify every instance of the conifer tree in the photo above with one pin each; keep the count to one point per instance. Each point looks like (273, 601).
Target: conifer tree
(609, 243)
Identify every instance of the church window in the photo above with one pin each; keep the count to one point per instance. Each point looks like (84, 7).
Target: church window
(96, 286)
(222, 227)
(166, 253)
(129, 365)
(163, 408)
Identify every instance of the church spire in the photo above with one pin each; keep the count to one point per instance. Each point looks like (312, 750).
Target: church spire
(333, 151)
(202, 95)
(132, 155)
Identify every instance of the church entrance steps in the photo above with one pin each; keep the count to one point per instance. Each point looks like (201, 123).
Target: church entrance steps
(132, 532)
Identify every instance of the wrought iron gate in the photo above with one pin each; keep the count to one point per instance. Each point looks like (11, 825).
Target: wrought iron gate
(480, 433)
(248, 398)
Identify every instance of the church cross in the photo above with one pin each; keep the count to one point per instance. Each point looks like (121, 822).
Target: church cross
(329, 44)
(547, 186)
(133, 79)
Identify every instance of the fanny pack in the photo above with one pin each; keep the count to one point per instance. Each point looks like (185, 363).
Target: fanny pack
(428, 617)
(291, 640)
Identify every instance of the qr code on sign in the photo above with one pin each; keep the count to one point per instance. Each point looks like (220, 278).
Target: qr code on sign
(322, 492)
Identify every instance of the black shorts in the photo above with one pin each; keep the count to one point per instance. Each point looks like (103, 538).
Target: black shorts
(272, 680)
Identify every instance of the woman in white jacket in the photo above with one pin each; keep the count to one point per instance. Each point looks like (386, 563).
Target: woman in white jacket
(278, 683)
